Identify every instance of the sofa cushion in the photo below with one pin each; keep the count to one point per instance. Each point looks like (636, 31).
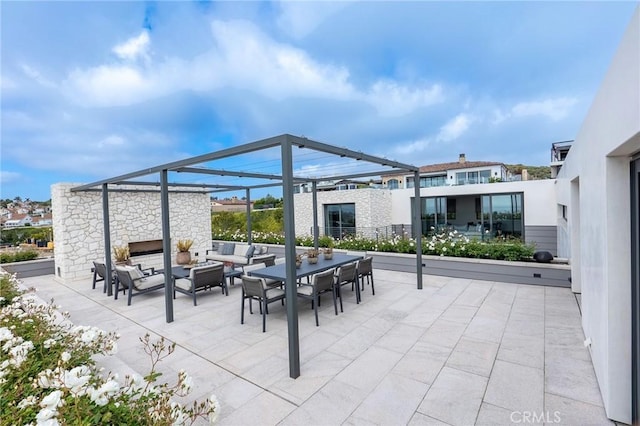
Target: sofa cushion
(134, 271)
(227, 248)
(250, 251)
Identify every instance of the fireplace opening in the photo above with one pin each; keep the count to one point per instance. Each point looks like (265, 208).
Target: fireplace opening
(140, 248)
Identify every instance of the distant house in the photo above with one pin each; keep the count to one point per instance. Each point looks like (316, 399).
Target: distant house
(232, 205)
(17, 220)
(44, 219)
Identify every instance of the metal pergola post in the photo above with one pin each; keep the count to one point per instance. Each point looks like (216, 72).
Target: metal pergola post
(290, 255)
(107, 238)
(248, 196)
(417, 226)
(314, 197)
(166, 245)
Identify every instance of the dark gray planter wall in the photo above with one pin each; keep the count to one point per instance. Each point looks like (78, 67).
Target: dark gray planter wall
(550, 274)
(544, 237)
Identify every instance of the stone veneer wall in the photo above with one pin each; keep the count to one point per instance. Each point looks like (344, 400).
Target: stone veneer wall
(78, 228)
(373, 209)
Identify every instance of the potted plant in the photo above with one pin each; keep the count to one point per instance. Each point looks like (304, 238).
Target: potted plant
(328, 253)
(298, 260)
(312, 256)
(122, 255)
(184, 255)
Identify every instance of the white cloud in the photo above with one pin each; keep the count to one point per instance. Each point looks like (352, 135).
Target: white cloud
(111, 141)
(448, 132)
(246, 58)
(555, 109)
(299, 18)
(393, 99)
(8, 177)
(134, 47)
(34, 74)
(454, 128)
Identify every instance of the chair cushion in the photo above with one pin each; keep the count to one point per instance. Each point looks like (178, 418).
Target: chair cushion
(227, 248)
(184, 284)
(150, 281)
(274, 292)
(134, 271)
(305, 290)
(250, 251)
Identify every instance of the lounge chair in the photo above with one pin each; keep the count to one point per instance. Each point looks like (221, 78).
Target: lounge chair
(134, 280)
(202, 278)
(99, 274)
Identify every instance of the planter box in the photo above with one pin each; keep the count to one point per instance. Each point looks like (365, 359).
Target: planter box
(549, 274)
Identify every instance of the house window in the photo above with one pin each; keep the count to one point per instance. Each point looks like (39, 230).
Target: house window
(339, 220)
(461, 178)
(485, 175)
(409, 182)
(393, 184)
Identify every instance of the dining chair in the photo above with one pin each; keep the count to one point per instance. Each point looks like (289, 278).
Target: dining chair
(347, 274)
(365, 270)
(254, 288)
(321, 282)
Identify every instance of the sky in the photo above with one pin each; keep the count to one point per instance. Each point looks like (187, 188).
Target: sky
(91, 90)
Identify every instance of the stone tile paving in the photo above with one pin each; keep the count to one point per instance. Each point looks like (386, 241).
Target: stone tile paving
(458, 352)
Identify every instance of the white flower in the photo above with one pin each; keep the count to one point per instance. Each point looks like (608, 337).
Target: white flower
(48, 343)
(5, 334)
(27, 402)
(45, 414)
(65, 356)
(214, 408)
(52, 400)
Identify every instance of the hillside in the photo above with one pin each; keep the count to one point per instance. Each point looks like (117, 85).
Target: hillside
(535, 172)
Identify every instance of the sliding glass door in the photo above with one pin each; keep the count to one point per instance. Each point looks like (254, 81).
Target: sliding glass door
(339, 220)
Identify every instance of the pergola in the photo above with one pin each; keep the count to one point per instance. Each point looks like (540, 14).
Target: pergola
(279, 146)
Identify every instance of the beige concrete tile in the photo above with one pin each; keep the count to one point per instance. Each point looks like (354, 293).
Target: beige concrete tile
(369, 369)
(393, 401)
(521, 349)
(572, 412)
(454, 397)
(473, 356)
(423, 362)
(516, 387)
(444, 333)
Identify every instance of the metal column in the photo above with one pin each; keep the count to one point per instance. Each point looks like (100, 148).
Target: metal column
(107, 237)
(249, 239)
(166, 245)
(417, 226)
(290, 255)
(314, 197)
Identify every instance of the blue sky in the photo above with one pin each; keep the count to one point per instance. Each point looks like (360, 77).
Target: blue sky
(95, 89)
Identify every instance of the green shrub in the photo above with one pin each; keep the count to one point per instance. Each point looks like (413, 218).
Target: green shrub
(448, 243)
(18, 256)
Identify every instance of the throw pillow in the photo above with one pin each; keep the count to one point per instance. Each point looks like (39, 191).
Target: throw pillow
(250, 251)
(134, 272)
(228, 248)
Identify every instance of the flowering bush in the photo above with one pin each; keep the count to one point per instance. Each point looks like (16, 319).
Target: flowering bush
(446, 243)
(48, 375)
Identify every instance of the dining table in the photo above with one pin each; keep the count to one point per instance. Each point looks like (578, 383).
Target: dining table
(306, 269)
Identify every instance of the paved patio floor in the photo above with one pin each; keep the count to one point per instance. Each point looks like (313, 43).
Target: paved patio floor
(458, 352)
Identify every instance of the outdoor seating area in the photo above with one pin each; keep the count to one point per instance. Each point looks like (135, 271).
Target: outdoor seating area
(459, 352)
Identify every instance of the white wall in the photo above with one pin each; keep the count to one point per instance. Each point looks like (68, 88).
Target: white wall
(599, 159)
(78, 229)
(539, 199)
(373, 209)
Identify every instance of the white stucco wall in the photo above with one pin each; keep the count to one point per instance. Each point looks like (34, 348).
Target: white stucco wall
(373, 209)
(594, 183)
(78, 228)
(539, 199)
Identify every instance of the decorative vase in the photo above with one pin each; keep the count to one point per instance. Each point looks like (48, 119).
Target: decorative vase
(298, 264)
(123, 262)
(312, 260)
(183, 257)
(328, 256)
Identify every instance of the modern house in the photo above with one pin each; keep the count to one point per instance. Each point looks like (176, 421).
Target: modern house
(477, 198)
(232, 205)
(598, 195)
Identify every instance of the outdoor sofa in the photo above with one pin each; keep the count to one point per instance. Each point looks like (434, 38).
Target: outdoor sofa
(238, 253)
